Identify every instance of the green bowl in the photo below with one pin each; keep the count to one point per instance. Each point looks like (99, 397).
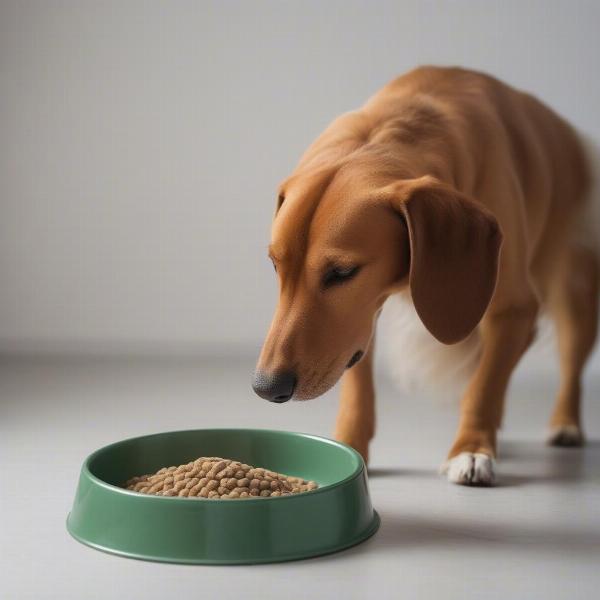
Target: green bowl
(210, 531)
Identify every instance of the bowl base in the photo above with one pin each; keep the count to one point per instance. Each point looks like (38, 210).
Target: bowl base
(370, 531)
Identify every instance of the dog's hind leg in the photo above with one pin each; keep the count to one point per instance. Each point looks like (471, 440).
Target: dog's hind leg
(355, 423)
(573, 304)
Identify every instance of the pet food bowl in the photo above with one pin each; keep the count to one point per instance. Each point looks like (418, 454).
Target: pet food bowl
(211, 531)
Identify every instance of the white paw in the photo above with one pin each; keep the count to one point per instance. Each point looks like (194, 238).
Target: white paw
(565, 435)
(470, 469)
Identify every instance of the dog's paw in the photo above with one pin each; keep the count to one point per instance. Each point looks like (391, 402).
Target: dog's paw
(468, 468)
(566, 436)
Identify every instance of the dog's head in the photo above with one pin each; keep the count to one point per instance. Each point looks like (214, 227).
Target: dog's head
(344, 239)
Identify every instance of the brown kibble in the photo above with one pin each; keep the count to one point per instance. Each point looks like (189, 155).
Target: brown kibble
(220, 478)
(195, 491)
(216, 468)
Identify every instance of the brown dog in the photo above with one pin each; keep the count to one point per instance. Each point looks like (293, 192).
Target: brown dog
(467, 194)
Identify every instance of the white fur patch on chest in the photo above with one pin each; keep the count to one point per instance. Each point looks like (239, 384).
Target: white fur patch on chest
(415, 358)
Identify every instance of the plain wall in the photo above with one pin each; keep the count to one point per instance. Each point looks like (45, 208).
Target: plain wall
(141, 144)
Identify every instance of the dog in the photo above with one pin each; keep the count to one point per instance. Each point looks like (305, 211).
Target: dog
(464, 196)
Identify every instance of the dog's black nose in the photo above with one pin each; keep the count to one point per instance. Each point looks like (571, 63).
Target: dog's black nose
(275, 387)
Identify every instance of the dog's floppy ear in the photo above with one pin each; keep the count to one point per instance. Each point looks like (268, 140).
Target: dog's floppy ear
(454, 247)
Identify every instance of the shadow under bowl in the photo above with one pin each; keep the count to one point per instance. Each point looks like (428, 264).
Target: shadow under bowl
(337, 515)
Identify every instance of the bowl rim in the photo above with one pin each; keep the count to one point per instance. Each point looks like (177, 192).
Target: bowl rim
(358, 468)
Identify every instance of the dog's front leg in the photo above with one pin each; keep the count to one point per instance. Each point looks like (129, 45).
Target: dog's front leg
(355, 423)
(505, 336)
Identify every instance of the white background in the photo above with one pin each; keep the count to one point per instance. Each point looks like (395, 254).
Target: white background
(141, 144)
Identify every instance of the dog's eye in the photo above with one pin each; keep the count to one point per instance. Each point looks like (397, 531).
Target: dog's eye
(338, 275)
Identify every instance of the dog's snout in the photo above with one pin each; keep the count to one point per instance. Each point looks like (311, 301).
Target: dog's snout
(275, 387)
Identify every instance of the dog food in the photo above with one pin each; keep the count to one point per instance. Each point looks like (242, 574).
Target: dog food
(220, 478)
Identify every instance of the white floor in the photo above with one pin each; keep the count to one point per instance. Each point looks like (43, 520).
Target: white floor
(536, 535)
